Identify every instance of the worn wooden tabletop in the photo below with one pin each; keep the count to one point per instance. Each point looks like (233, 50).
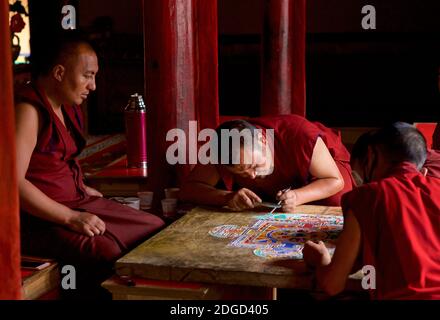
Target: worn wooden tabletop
(184, 251)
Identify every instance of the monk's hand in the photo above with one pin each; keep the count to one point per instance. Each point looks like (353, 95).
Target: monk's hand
(316, 254)
(289, 200)
(86, 223)
(243, 199)
(92, 192)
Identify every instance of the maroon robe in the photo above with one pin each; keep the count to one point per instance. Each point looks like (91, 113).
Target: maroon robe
(399, 218)
(54, 170)
(436, 138)
(432, 163)
(294, 141)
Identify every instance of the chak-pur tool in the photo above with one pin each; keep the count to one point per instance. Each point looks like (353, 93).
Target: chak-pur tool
(279, 202)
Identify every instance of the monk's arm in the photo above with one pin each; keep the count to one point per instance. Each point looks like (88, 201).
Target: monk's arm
(200, 187)
(332, 278)
(329, 180)
(32, 199)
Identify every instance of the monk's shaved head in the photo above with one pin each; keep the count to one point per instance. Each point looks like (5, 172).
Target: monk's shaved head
(398, 142)
(63, 49)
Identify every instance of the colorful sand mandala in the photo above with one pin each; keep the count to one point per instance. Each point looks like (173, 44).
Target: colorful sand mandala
(284, 235)
(227, 231)
(286, 252)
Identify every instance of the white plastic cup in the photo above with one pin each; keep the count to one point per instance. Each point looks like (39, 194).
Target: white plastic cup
(169, 207)
(172, 193)
(146, 199)
(132, 202)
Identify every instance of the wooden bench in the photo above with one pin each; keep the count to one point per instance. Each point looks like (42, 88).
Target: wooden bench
(41, 284)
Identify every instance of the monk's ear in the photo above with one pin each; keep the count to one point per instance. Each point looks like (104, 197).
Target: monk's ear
(58, 72)
(424, 171)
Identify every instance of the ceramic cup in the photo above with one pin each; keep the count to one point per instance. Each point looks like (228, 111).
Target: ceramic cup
(172, 193)
(146, 199)
(169, 207)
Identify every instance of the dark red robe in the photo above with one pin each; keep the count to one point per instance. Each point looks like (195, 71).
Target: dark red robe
(432, 163)
(54, 169)
(399, 218)
(294, 141)
(436, 138)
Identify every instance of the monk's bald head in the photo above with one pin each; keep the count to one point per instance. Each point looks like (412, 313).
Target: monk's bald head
(64, 49)
(398, 142)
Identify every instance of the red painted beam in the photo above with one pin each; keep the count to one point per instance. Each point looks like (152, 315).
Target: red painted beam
(10, 275)
(181, 82)
(283, 58)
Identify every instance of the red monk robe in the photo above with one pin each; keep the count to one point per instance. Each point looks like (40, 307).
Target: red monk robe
(432, 163)
(436, 138)
(55, 171)
(399, 218)
(294, 140)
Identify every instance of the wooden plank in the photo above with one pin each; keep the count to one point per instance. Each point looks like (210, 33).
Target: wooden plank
(40, 282)
(185, 251)
(165, 290)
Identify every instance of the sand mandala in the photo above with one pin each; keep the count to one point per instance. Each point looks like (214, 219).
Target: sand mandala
(227, 231)
(283, 235)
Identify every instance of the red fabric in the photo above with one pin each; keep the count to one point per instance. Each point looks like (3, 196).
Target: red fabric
(399, 218)
(55, 171)
(436, 138)
(432, 163)
(295, 138)
(10, 277)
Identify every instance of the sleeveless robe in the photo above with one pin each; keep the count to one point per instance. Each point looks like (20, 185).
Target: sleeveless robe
(399, 218)
(54, 170)
(294, 141)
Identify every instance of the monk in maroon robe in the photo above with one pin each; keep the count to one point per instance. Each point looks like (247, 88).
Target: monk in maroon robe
(63, 218)
(306, 157)
(391, 223)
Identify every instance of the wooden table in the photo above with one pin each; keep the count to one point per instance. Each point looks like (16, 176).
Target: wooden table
(185, 252)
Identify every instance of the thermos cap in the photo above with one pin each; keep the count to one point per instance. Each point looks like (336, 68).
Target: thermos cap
(136, 104)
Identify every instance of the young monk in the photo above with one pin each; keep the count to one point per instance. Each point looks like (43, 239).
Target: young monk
(392, 222)
(62, 217)
(306, 157)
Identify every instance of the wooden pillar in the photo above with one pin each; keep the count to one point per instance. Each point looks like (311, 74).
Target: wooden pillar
(283, 58)
(10, 275)
(181, 82)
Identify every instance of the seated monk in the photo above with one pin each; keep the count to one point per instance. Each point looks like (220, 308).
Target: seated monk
(61, 217)
(391, 222)
(306, 157)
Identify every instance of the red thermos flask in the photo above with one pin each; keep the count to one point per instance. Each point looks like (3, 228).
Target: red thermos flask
(136, 132)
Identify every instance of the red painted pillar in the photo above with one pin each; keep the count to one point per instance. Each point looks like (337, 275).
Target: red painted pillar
(10, 275)
(181, 82)
(283, 58)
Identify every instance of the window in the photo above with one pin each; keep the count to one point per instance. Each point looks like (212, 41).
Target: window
(19, 13)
